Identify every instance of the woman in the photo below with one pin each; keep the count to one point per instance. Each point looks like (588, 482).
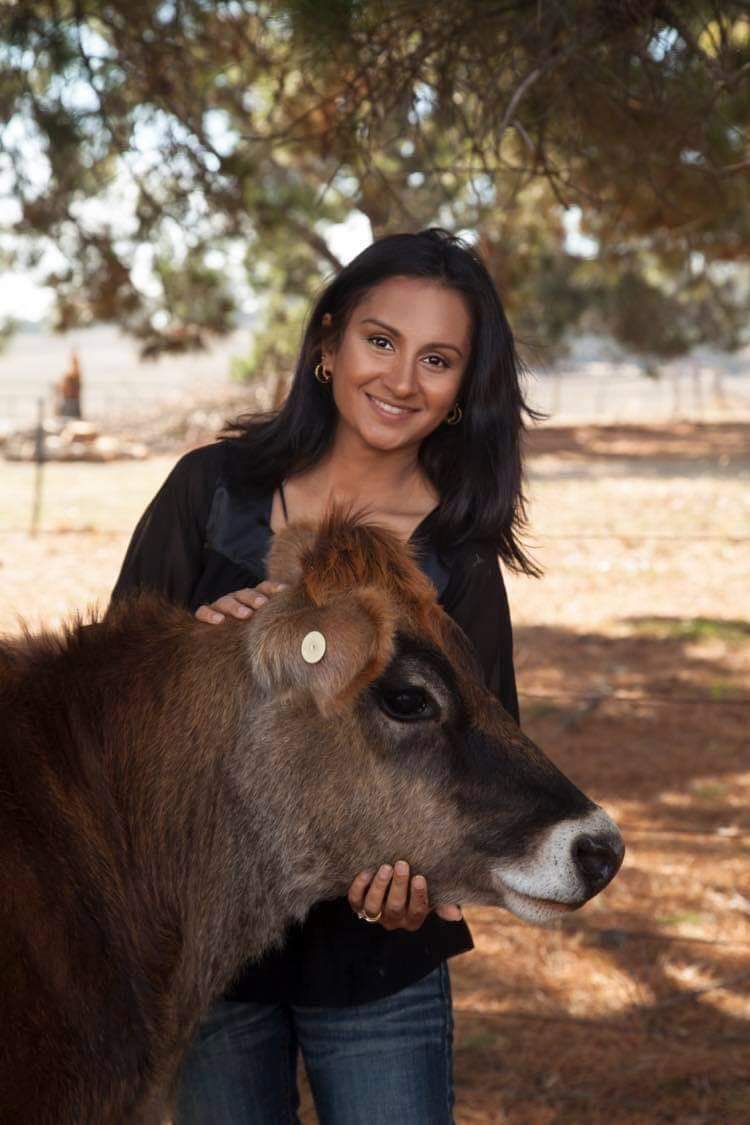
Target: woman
(406, 397)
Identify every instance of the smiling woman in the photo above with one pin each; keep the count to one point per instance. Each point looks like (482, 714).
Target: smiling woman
(402, 371)
(405, 403)
(391, 389)
(407, 307)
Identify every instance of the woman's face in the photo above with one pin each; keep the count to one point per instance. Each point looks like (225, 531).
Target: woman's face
(397, 371)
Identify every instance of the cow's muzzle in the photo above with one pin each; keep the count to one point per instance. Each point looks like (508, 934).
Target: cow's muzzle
(598, 858)
(569, 863)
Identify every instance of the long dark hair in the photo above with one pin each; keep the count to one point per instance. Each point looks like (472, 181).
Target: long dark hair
(476, 466)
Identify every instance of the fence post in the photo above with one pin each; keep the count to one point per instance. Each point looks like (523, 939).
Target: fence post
(39, 459)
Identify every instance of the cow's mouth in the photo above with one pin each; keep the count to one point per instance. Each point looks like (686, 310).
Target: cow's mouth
(567, 865)
(531, 909)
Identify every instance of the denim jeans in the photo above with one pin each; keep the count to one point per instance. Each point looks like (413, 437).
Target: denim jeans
(385, 1063)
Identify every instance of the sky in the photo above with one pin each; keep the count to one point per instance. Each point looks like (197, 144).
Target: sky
(21, 296)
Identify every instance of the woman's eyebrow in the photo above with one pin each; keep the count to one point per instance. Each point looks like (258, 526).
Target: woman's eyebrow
(395, 332)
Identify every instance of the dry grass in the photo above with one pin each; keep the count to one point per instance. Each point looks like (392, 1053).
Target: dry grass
(632, 657)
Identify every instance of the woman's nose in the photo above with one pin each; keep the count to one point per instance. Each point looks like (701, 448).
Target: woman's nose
(401, 379)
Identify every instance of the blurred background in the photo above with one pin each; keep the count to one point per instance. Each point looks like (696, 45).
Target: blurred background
(177, 182)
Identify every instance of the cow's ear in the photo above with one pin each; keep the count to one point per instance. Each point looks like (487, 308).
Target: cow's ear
(331, 651)
(287, 552)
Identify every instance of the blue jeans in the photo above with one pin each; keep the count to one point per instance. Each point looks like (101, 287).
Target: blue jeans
(385, 1063)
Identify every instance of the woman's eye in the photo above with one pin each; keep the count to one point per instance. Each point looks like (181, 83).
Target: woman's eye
(377, 340)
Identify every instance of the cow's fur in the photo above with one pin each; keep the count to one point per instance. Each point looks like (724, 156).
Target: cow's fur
(173, 794)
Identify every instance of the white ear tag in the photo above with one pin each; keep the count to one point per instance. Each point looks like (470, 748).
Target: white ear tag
(313, 647)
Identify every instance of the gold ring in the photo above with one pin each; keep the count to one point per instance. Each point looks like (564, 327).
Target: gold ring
(366, 917)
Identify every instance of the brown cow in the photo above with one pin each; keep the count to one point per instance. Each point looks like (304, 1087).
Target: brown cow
(172, 795)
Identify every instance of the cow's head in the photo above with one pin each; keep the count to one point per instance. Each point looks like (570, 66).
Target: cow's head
(378, 706)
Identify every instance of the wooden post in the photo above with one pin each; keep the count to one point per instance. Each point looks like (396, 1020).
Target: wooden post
(39, 460)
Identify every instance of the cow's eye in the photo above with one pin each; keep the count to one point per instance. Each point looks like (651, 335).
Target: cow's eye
(407, 704)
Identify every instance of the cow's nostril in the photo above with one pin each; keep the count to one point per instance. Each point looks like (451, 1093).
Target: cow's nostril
(598, 858)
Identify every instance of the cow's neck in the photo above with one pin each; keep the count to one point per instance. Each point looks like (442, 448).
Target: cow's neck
(205, 856)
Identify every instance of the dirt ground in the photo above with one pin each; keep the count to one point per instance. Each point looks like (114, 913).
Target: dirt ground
(633, 661)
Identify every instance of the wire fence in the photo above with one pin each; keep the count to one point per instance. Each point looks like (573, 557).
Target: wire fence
(593, 385)
(606, 397)
(629, 538)
(596, 391)
(593, 699)
(117, 387)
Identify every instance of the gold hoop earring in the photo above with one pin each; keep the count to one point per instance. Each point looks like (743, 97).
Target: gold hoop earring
(455, 416)
(321, 374)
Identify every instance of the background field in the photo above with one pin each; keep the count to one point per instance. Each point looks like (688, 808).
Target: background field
(632, 658)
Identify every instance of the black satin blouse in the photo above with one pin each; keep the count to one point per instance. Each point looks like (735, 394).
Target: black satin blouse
(205, 534)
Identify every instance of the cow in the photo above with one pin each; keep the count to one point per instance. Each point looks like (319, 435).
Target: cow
(174, 795)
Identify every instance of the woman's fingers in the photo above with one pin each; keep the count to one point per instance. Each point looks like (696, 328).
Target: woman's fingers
(268, 587)
(394, 909)
(240, 604)
(449, 912)
(228, 606)
(403, 904)
(368, 890)
(358, 889)
(376, 892)
(210, 616)
(419, 906)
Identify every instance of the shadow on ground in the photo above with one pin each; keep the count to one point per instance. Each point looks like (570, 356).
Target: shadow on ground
(634, 716)
(637, 1009)
(723, 442)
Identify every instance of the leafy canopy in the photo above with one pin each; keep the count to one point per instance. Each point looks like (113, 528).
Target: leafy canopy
(158, 156)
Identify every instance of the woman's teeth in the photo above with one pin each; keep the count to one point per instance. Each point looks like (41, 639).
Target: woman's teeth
(386, 406)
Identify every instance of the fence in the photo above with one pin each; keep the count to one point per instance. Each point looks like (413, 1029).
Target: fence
(119, 388)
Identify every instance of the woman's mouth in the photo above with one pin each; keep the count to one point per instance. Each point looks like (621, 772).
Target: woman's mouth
(386, 410)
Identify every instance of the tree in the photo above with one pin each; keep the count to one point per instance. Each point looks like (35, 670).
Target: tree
(274, 119)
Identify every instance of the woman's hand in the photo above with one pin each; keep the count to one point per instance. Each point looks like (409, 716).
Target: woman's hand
(404, 906)
(242, 603)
